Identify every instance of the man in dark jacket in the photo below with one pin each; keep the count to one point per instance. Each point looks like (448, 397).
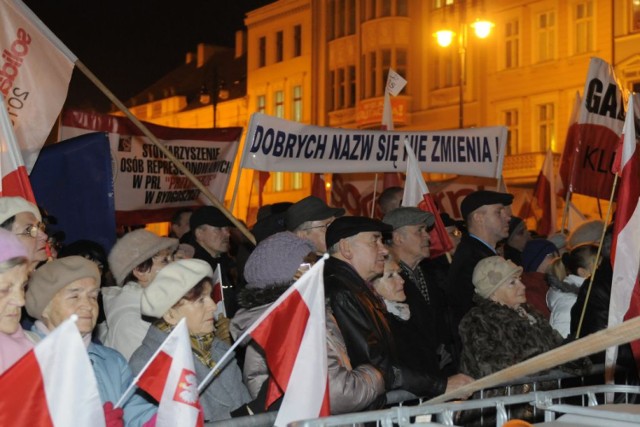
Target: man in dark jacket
(357, 257)
(487, 219)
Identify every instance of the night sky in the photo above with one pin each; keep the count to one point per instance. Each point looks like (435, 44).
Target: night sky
(129, 44)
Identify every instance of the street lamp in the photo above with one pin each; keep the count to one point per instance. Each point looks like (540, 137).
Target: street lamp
(444, 38)
(217, 93)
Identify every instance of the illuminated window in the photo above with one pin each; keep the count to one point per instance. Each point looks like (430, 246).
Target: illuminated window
(512, 44)
(277, 181)
(278, 110)
(635, 15)
(279, 46)
(262, 52)
(261, 104)
(297, 103)
(583, 27)
(546, 127)
(546, 31)
(512, 122)
(437, 4)
(297, 40)
(296, 181)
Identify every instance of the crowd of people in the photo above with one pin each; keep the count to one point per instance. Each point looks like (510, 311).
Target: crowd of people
(396, 318)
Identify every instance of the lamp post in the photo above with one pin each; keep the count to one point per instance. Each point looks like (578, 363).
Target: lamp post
(217, 93)
(444, 38)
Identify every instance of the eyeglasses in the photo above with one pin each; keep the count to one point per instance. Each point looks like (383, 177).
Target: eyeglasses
(325, 226)
(32, 230)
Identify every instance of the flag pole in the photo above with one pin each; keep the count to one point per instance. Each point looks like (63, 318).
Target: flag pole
(127, 392)
(594, 343)
(595, 264)
(565, 212)
(375, 189)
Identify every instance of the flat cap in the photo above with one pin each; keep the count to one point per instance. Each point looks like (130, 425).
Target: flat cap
(481, 198)
(402, 216)
(348, 226)
(310, 208)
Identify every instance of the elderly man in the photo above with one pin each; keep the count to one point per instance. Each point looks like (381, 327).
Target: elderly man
(211, 240)
(487, 215)
(309, 219)
(423, 280)
(390, 199)
(68, 286)
(23, 219)
(357, 257)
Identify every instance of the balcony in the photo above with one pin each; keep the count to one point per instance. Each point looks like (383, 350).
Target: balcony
(524, 168)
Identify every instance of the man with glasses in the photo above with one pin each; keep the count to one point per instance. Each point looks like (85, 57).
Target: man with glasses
(309, 219)
(23, 219)
(135, 260)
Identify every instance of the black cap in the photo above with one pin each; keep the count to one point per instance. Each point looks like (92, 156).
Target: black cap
(209, 215)
(481, 198)
(348, 226)
(309, 209)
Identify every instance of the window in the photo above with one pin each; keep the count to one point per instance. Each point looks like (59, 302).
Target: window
(401, 8)
(386, 8)
(297, 103)
(297, 40)
(341, 15)
(279, 47)
(584, 27)
(437, 4)
(382, 8)
(262, 52)
(261, 104)
(635, 15)
(296, 181)
(279, 104)
(512, 121)
(443, 68)
(376, 66)
(546, 128)
(285, 181)
(277, 181)
(512, 41)
(343, 87)
(546, 36)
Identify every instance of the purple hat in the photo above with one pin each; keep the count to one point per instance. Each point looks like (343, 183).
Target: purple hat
(10, 246)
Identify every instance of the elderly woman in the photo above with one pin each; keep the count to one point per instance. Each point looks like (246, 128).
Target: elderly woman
(271, 269)
(414, 347)
(68, 286)
(501, 330)
(183, 289)
(14, 273)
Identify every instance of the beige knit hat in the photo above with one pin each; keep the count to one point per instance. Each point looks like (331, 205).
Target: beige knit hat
(133, 249)
(490, 273)
(171, 284)
(587, 232)
(47, 280)
(11, 206)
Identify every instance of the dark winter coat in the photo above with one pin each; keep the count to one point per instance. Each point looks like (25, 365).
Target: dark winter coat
(495, 337)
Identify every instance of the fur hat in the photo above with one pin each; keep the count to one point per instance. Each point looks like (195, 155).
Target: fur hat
(47, 280)
(171, 284)
(11, 206)
(490, 273)
(534, 253)
(276, 259)
(10, 246)
(133, 249)
(587, 232)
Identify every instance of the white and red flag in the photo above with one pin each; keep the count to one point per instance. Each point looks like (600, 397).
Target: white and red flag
(395, 84)
(545, 194)
(15, 179)
(416, 194)
(53, 385)
(170, 378)
(292, 333)
(218, 293)
(625, 248)
(590, 146)
(35, 70)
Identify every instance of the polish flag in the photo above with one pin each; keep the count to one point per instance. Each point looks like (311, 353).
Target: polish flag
(218, 293)
(34, 78)
(52, 385)
(545, 194)
(625, 248)
(292, 333)
(15, 180)
(416, 194)
(318, 186)
(170, 378)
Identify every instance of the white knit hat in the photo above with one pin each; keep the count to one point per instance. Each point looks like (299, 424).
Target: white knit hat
(171, 284)
(11, 206)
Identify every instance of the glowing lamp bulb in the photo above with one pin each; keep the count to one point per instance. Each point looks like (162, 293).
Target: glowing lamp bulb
(444, 37)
